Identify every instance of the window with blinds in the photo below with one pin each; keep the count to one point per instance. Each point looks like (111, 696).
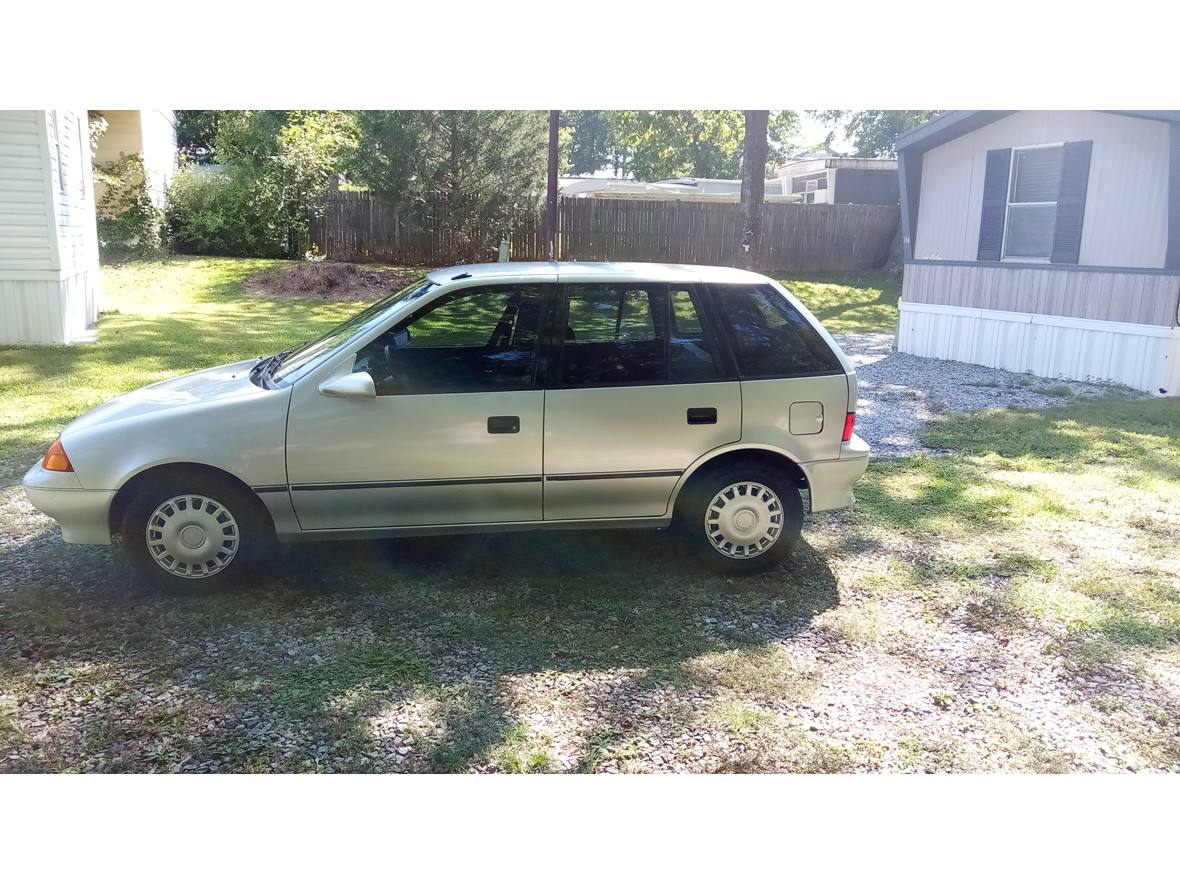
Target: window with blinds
(1033, 186)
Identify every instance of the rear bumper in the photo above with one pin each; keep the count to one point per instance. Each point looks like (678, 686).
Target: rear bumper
(831, 482)
(83, 514)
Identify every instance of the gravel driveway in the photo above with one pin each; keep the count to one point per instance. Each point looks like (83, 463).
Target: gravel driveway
(899, 393)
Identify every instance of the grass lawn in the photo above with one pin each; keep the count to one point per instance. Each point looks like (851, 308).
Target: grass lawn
(863, 302)
(1011, 603)
(161, 319)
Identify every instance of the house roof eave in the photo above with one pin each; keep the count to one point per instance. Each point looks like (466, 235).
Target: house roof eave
(953, 124)
(945, 127)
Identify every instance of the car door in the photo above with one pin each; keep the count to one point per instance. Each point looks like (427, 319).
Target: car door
(453, 435)
(637, 390)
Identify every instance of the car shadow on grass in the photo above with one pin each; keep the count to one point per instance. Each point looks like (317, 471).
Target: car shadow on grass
(380, 656)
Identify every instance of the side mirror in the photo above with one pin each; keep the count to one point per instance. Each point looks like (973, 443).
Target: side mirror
(358, 385)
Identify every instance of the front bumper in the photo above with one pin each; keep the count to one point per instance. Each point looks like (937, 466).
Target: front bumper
(831, 482)
(83, 514)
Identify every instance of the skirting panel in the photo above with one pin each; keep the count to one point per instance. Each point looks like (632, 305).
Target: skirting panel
(1143, 357)
(50, 311)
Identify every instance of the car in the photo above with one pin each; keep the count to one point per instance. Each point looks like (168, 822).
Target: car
(483, 398)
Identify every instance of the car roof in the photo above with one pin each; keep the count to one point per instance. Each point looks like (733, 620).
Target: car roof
(590, 271)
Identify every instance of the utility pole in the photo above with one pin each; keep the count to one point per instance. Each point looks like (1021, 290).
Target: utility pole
(753, 183)
(551, 195)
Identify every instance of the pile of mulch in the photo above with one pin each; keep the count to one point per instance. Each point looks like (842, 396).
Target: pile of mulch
(325, 280)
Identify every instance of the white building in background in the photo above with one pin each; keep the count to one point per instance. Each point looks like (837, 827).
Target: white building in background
(50, 284)
(832, 179)
(693, 190)
(152, 135)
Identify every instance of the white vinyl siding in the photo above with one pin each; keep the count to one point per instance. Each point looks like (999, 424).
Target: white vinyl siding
(26, 223)
(73, 194)
(50, 284)
(1126, 218)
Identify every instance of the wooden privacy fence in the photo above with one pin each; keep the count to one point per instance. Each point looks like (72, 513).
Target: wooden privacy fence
(795, 237)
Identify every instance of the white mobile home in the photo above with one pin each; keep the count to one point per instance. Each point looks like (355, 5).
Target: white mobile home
(149, 134)
(49, 276)
(1045, 242)
(863, 180)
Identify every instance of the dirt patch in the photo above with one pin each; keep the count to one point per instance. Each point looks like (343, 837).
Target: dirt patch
(325, 280)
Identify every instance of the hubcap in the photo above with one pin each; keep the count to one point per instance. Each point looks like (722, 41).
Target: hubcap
(192, 536)
(744, 520)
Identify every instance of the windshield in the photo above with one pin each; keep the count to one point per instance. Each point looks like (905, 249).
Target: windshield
(292, 363)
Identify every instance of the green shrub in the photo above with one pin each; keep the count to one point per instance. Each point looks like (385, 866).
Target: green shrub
(129, 223)
(225, 212)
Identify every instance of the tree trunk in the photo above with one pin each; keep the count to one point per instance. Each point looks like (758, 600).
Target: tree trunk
(753, 184)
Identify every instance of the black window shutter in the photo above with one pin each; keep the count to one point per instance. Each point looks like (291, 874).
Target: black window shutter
(1071, 202)
(995, 204)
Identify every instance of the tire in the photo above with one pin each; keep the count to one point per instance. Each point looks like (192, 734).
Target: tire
(772, 520)
(207, 533)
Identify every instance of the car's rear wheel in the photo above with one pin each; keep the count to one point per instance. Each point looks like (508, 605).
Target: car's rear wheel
(192, 530)
(741, 519)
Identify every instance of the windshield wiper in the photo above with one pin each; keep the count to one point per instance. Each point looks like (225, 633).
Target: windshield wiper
(262, 371)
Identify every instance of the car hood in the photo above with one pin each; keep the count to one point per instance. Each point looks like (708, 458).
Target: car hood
(219, 384)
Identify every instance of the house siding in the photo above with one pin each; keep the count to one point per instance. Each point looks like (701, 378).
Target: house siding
(49, 278)
(1126, 215)
(27, 235)
(1146, 358)
(71, 183)
(1124, 297)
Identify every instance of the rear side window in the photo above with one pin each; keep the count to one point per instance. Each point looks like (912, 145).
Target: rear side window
(611, 337)
(635, 334)
(769, 336)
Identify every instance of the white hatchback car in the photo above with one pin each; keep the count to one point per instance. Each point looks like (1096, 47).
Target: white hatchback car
(483, 398)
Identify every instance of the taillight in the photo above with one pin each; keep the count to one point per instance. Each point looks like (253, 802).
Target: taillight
(56, 459)
(849, 420)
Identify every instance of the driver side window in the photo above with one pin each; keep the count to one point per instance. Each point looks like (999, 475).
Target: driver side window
(476, 339)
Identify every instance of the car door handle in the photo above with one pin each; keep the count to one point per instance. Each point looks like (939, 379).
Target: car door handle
(504, 424)
(702, 416)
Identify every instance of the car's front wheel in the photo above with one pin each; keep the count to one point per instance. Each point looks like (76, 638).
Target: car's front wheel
(741, 519)
(190, 530)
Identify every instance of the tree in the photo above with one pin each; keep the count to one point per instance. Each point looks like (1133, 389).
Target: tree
(248, 139)
(280, 166)
(754, 151)
(481, 170)
(873, 133)
(195, 133)
(591, 142)
(702, 144)
(314, 148)
(668, 144)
